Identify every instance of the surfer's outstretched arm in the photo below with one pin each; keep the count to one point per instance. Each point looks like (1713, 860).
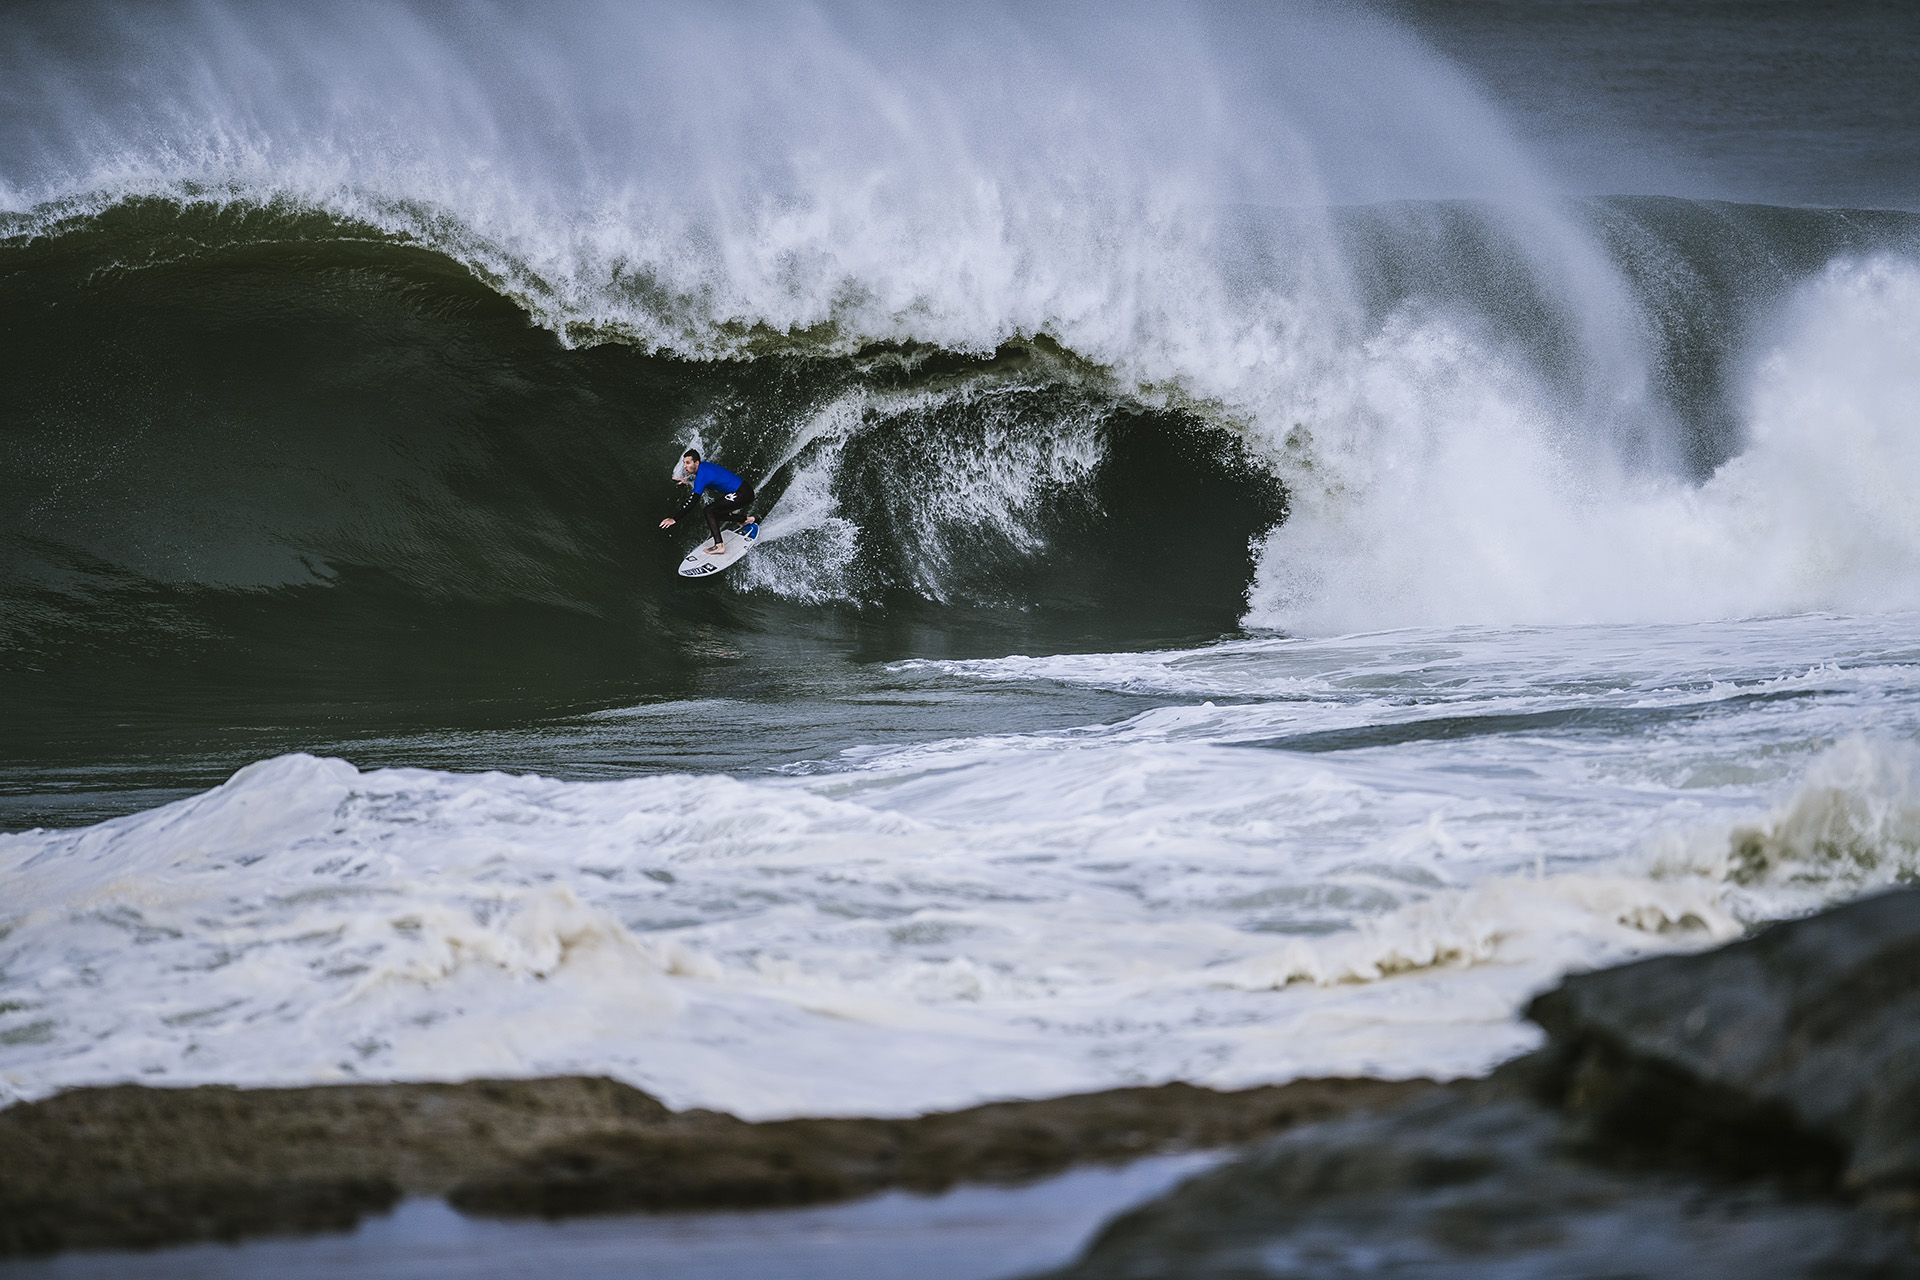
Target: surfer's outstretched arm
(693, 500)
(685, 507)
(688, 474)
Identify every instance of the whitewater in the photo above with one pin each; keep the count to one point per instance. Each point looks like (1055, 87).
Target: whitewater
(1349, 857)
(1262, 572)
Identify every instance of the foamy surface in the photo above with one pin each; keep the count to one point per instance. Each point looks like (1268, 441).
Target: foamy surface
(1351, 856)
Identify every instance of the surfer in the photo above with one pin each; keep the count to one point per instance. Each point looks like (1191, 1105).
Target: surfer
(738, 495)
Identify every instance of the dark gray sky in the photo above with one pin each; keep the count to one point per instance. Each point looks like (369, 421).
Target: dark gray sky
(1761, 100)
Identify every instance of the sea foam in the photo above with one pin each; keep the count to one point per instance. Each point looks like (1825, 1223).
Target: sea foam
(919, 927)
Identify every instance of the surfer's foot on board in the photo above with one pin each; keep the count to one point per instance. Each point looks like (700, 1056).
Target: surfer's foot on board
(717, 549)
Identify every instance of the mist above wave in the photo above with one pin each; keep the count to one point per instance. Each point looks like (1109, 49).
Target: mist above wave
(949, 178)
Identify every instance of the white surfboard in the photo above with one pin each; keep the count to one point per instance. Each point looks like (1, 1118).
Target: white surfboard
(699, 564)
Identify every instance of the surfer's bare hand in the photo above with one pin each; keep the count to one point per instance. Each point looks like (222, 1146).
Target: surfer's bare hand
(667, 523)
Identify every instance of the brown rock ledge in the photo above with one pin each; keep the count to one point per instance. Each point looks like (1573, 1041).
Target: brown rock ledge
(136, 1166)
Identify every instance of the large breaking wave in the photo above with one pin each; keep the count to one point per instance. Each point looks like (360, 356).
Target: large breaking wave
(383, 329)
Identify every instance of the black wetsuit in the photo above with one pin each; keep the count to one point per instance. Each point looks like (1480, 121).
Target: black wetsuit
(733, 503)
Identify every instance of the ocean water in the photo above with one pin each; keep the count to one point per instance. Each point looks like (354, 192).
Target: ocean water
(1286, 530)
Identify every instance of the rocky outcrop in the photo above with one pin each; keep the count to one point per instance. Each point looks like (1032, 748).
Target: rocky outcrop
(1797, 1050)
(139, 1166)
(1474, 1181)
(1748, 1112)
(702, 1159)
(130, 1165)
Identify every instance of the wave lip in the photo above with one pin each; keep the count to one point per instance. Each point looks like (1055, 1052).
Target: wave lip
(1414, 463)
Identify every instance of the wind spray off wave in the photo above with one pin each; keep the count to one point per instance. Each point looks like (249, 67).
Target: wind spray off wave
(1454, 494)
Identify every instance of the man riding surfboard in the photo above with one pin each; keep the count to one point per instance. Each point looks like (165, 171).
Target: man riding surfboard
(737, 496)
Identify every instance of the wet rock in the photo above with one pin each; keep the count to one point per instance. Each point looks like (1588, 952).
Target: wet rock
(702, 1160)
(138, 1166)
(1797, 1050)
(129, 1165)
(140, 1214)
(1471, 1182)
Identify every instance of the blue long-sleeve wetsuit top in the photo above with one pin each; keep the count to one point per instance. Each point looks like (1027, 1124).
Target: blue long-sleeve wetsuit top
(705, 477)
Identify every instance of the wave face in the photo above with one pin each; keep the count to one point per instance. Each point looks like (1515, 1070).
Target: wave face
(236, 420)
(264, 429)
(310, 334)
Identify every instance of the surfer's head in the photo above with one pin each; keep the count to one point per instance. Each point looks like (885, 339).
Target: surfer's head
(690, 461)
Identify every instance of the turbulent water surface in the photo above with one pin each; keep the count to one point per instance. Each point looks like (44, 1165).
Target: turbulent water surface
(1278, 541)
